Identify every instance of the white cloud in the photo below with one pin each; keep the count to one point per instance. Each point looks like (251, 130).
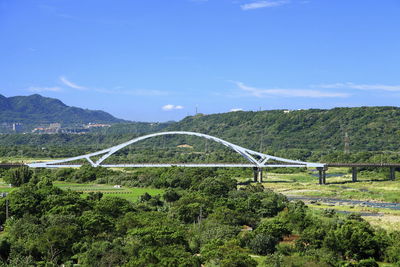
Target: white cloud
(171, 107)
(348, 85)
(68, 83)
(264, 4)
(259, 92)
(117, 90)
(37, 89)
(235, 109)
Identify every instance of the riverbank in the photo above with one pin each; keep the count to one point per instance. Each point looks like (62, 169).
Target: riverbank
(377, 200)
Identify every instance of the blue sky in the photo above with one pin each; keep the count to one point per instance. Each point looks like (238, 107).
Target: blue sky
(157, 60)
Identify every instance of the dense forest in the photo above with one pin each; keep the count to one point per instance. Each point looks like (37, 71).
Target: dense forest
(203, 217)
(369, 129)
(316, 135)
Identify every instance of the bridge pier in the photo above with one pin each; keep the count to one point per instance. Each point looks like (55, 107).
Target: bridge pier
(321, 175)
(255, 174)
(354, 174)
(392, 173)
(258, 175)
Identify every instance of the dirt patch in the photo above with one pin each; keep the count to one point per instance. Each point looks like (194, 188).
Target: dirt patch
(387, 221)
(290, 239)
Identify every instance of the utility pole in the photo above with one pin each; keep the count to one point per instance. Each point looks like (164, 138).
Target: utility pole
(6, 209)
(261, 140)
(346, 143)
(200, 216)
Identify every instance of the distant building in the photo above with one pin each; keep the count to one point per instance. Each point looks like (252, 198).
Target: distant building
(55, 125)
(96, 125)
(38, 130)
(17, 127)
(75, 130)
(52, 128)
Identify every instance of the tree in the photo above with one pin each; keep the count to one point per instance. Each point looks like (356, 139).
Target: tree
(353, 239)
(228, 254)
(18, 176)
(103, 253)
(263, 244)
(191, 207)
(58, 236)
(217, 186)
(392, 253)
(171, 195)
(267, 235)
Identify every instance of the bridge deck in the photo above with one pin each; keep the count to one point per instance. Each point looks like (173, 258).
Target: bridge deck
(11, 165)
(363, 165)
(349, 165)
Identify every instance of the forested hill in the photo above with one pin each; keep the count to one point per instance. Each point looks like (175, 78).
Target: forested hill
(36, 109)
(369, 128)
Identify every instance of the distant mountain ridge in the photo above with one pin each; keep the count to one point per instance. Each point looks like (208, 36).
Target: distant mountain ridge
(36, 109)
(368, 128)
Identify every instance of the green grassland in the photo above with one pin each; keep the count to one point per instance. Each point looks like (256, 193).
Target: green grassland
(131, 194)
(372, 187)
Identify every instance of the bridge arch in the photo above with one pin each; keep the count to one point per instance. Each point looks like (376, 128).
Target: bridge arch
(255, 158)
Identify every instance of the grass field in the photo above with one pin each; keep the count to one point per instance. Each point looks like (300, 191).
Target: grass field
(338, 185)
(370, 187)
(131, 194)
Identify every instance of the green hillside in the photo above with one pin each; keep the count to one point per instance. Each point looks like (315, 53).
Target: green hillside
(36, 109)
(369, 128)
(302, 134)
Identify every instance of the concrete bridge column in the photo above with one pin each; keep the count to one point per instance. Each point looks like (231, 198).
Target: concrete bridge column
(392, 173)
(255, 174)
(321, 175)
(320, 170)
(354, 174)
(258, 175)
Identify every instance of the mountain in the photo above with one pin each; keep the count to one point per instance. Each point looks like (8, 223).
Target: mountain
(36, 109)
(368, 128)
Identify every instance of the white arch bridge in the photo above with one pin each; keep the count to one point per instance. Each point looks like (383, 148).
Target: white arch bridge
(257, 160)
